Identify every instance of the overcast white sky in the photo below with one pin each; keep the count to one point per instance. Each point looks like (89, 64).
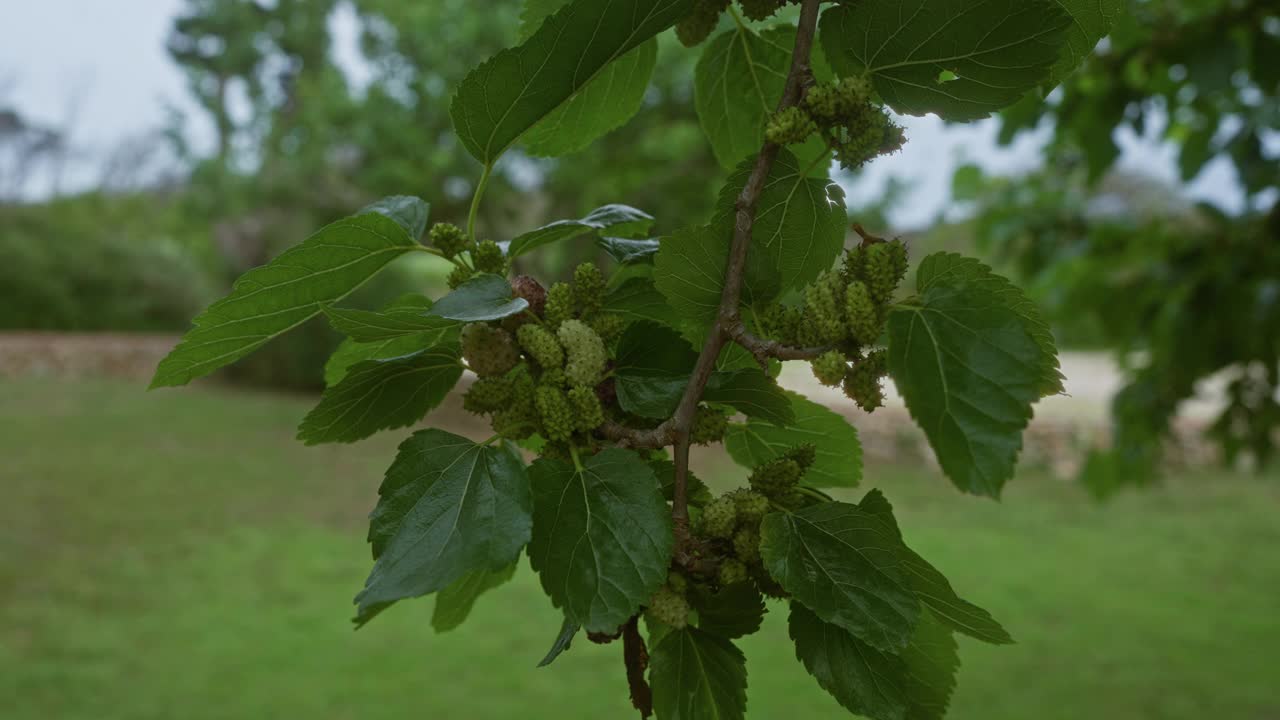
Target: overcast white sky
(101, 65)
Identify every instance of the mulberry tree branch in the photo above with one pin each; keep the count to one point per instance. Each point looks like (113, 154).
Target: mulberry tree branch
(728, 325)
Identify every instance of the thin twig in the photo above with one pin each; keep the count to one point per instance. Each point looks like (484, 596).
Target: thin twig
(729, 317)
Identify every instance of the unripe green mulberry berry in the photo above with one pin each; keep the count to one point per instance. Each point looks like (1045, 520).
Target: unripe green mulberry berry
(830, 367)
(759, 9)
(746, 544)
(588, 289)
(701, 21)
(585, 353)
(862, 383)
(488, 258)
(458, 276)
(669, 608)
(862, 314)
(884, 267)
(783, 323)
(608, 326)
(448, 239)
(776, 478)
(677, 582)
(823, 311)
(553, 377)
(732, 571)
(488, 350)
(487, 394)
(709, 426)
(542, 346)
(586, 407)
(863, 137)
(751, 505)
(804, 455)
(720, 517)
(556, 412)
(560, 304)
(790, 127)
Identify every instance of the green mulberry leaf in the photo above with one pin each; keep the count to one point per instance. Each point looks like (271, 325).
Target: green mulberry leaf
(447, 507)
(407, 318)
(613, 219)
(638, 300)
(378, 395)
(1091, 20)
(601, 536)
(605, 103)
(844, 565)
(568, 629)
(959, 59)
(454, 603)
(962, 356)
(689, 272)
(270, 300)
(696, 675)
(737, 85)
(932, 587)
(482, 298)
(352, 351)
(732, 612)
(838, 460)
(513, 91)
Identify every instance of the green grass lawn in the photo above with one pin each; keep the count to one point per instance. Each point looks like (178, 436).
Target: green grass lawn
(177, 555)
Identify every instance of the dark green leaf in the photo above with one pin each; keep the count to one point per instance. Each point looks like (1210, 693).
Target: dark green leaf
(733, 612)
(601, 536)
(696, 490)
(751, 393)
(603, 104)
(863, 679)
(696, 676)
(367, 326)
(446, 508)
(513, 91)
(844, 565)
(932, 661)
(629, 251)
(996, 49)
(969, 370)
(568, 629)
(637, 299)
(351, 351)
(799, 227)
(454, 603)
(737, 85)
(270, 300)
(839, 454)
(378, 395)
(932, 587)
(482, 298)
(689, 271)
(614, 219)
(1090, 22)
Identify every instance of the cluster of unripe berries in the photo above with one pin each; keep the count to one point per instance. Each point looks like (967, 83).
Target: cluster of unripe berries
(730, 526)
(541, 372)
(846, 310)
(705, 15)
(843, 115)
(470, 258)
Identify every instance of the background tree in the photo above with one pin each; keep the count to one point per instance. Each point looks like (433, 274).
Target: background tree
(1182, 292)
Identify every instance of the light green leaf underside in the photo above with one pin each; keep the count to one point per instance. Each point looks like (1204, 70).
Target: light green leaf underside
(969, 370)
(270, 300)
(454, 603)
(378, 395)
(447, 507)
(843, 564)
(564, 638)
(513, 91)
(614, 219)
(996, 49)
(601, 536)
(698, 676)
(838, 460)
(737, 85)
